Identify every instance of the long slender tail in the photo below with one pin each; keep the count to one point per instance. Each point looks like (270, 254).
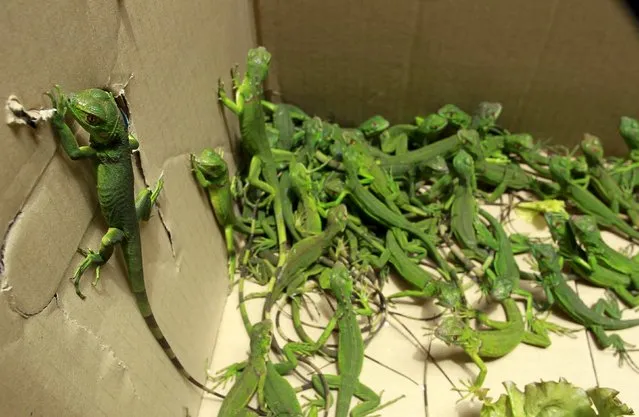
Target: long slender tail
(133, 257)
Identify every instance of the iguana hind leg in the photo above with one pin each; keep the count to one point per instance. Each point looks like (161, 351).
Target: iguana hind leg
(111, 238)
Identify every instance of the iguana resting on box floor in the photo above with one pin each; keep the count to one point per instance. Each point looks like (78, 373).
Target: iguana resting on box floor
(110, 148)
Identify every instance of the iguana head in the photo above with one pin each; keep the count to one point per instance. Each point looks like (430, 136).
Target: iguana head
(332, 184)
(300, 177)
(97, 112)
(211, 164)
(257, 65)
(452, 331)
(585, 228)
(519, 142)
(448, 295)
(487, 113)
(374, 126)
(313, 131)
(433, 123)
(455, 115)
(557, 224)
(593, 149)
(341, 283)
(559, 167)
(261, 334)
(463, 164)
(337, 216)
(437, 165)
(547, 257)
(629, 131)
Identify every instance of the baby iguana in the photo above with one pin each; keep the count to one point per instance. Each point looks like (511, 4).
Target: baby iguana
(559, 292)
(562, 231)
(468, 230)
(253, 376)
(350, 357)
(603, 182)
(110, 147)
(305, 253)
(585, 201)
(501, 339)
(248, 107)
(598, 251)
(212, 173)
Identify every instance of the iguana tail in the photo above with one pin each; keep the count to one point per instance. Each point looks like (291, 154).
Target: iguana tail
(133, 257)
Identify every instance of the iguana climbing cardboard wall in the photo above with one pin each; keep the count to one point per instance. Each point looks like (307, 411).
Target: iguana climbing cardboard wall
(559, 67)
(59, 355)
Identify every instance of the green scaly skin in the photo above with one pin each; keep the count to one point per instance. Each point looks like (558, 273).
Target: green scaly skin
(350, 357)
(373, 126)
(303, 187)
(485, 118)
(598, 252)
(379, 212)
(585, 201)
(524, 146)
(426, 285)
(603, 182)
(629, 131)
(464, 223)
(505, 275)
(501, 339)
(574, 256)
(248, 107)
(295, 113)
(110, 148)
(211, 172)
(559, 292)
(455, 116)
(305, 253)
(253, 377)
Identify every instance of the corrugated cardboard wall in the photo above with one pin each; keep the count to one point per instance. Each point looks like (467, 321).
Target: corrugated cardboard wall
(560, 67)
(59, 355)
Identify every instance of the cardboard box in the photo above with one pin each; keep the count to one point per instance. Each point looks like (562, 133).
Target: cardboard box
(559, 68)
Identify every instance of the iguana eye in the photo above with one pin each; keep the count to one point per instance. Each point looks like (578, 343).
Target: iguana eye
(92, 119)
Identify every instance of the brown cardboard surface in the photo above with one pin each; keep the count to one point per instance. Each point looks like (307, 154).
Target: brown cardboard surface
(60, 355)
(560, 68)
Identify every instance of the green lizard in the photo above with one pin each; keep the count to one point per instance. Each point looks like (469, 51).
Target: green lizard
(629, 131)
(247, 106)
(350, 356)
(468, 230)
(373, 126)
(485, 118)
(253, 377)
(295, 113)
(302, 184)
(585, 201)
(559, 292)
(603, 182)
(305, 253)
(501, 339)
(598, 251)
(455, 116)
(211, 172)
(110, 147)
(379, 212)
(574, 256)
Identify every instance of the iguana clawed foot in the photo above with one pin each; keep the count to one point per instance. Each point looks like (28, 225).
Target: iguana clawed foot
(91, 258)
(227, 374)
(541, 326)
(621, 350)
(471, 390)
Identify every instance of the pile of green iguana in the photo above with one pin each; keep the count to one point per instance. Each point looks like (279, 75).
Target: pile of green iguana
(333, 210)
